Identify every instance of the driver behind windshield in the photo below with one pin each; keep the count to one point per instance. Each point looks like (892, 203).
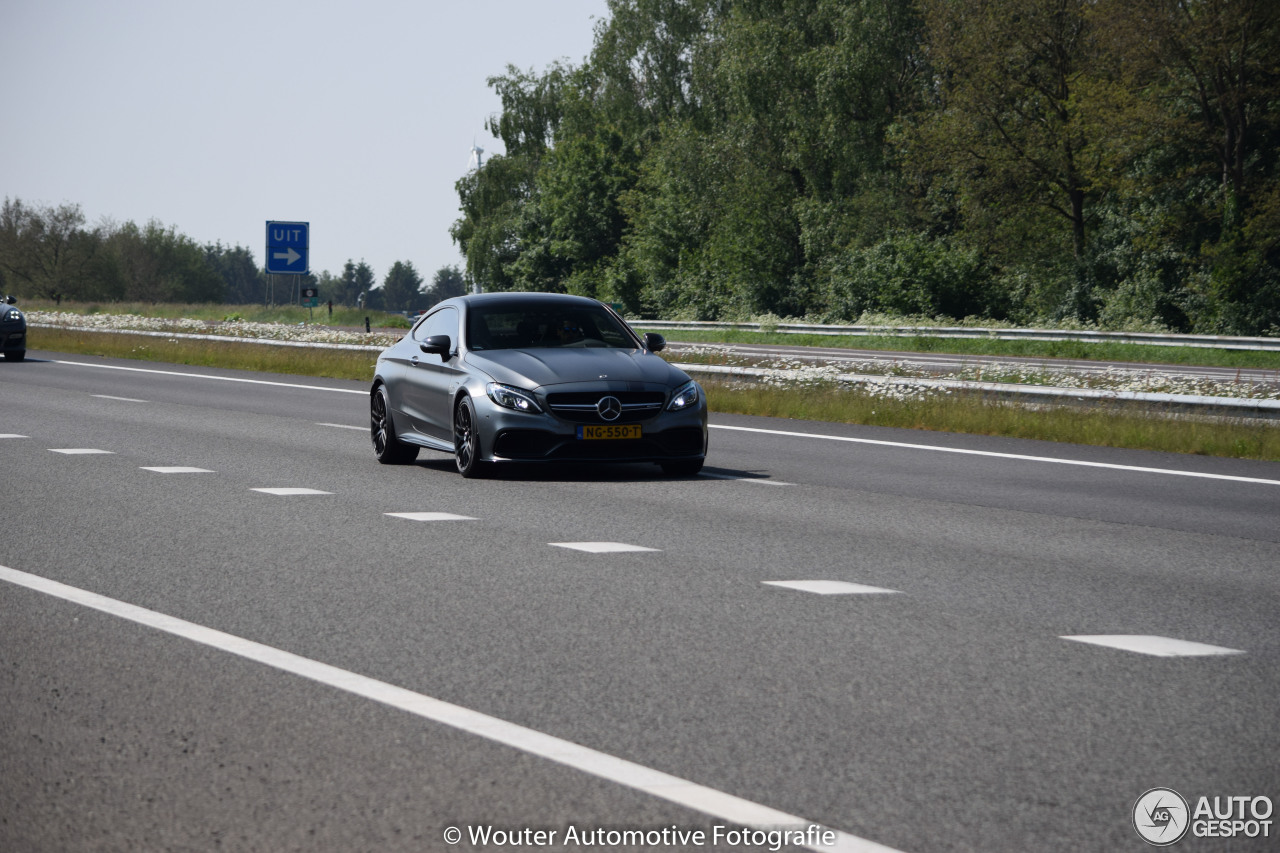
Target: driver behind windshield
(568, 332)
(520, 326)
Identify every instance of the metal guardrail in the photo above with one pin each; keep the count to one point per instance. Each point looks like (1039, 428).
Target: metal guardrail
(1232, 407)
(1148, 338)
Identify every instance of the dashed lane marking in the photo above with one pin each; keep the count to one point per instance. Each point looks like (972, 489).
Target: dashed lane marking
(81, 451)
(831, 587)
(120, 399)
(175, 469)
(1164, 647)
(601, 547)
(600, 765)
(283, 492)
(430, 516)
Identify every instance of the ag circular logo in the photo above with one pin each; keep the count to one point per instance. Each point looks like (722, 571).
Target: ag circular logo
(609, 408)
(1161, 817)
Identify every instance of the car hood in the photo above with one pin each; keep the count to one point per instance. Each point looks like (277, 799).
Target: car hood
(536, 368)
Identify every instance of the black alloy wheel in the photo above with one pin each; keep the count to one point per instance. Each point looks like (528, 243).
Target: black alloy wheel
(466, 442)
(389, 449)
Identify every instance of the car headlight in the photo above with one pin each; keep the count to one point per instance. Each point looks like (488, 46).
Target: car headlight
(13, 314)
(686, 397)
(512, 398)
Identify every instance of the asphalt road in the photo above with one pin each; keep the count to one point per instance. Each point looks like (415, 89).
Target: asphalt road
(278, 672)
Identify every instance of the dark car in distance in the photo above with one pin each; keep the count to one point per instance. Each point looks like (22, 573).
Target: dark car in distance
(13, 330)
(534, 377)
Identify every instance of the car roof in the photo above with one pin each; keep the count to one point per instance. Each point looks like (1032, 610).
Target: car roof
(524, 297)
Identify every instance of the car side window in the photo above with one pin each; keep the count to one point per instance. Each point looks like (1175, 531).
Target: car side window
(442, 322)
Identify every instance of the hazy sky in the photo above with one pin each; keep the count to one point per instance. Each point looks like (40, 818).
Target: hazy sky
(213, 118)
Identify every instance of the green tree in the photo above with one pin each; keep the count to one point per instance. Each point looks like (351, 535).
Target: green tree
(1011, 127)
(499, 200)
(1208, 72)
(356, 279)
(402, 288)
(447, 282)
(46, 251)
(242, 280)
(157, 264)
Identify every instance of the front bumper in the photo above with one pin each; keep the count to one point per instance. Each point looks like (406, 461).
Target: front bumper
(552, 435)
(13, 337)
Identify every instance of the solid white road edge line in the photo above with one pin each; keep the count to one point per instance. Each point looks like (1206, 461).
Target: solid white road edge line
(211, 376)
(637, 777)
(988, 453)
(991, 453)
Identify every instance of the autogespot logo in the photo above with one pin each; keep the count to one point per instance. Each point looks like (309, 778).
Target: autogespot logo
(1161, 817)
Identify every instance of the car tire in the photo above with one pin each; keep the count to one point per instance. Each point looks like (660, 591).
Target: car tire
(681, 467)
(15, 355)
(466, 440)
(389, 449)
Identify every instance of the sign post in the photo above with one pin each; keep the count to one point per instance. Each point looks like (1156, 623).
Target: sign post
(310, 298)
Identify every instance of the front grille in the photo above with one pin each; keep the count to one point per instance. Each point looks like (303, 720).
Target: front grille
(579, 407)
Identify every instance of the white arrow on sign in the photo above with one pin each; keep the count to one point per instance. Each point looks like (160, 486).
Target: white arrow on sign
(291, 255)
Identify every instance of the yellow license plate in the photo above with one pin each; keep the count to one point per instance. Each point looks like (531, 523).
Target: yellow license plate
(607, 431)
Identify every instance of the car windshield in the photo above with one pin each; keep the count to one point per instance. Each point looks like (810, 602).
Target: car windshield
(540, 324)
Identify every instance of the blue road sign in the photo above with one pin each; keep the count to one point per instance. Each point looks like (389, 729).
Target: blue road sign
(288, 248)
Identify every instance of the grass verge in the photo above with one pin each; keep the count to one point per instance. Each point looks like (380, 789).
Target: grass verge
(1259, 440)
(264, 358)
(964, 413)
(1137, 353)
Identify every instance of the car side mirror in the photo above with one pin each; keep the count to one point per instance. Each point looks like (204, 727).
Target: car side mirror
(654, 341)
(440, 345)
(9, 300)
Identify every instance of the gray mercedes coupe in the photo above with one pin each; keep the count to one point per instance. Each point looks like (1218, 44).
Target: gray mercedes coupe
(534, 377)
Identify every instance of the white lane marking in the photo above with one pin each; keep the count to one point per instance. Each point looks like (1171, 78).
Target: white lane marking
(831, 587)
(761, 480)
(12, 435)
(291, 491)
(344, 426)
(1111, 465)
(601, 765)
(601, 547)
(430, 516)
(81, 451)
(989, 453)
(1164, 647)
(175, 469)
(121, 399)
(209, 376)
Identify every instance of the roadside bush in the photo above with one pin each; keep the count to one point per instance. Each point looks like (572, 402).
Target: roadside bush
(911, 274)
